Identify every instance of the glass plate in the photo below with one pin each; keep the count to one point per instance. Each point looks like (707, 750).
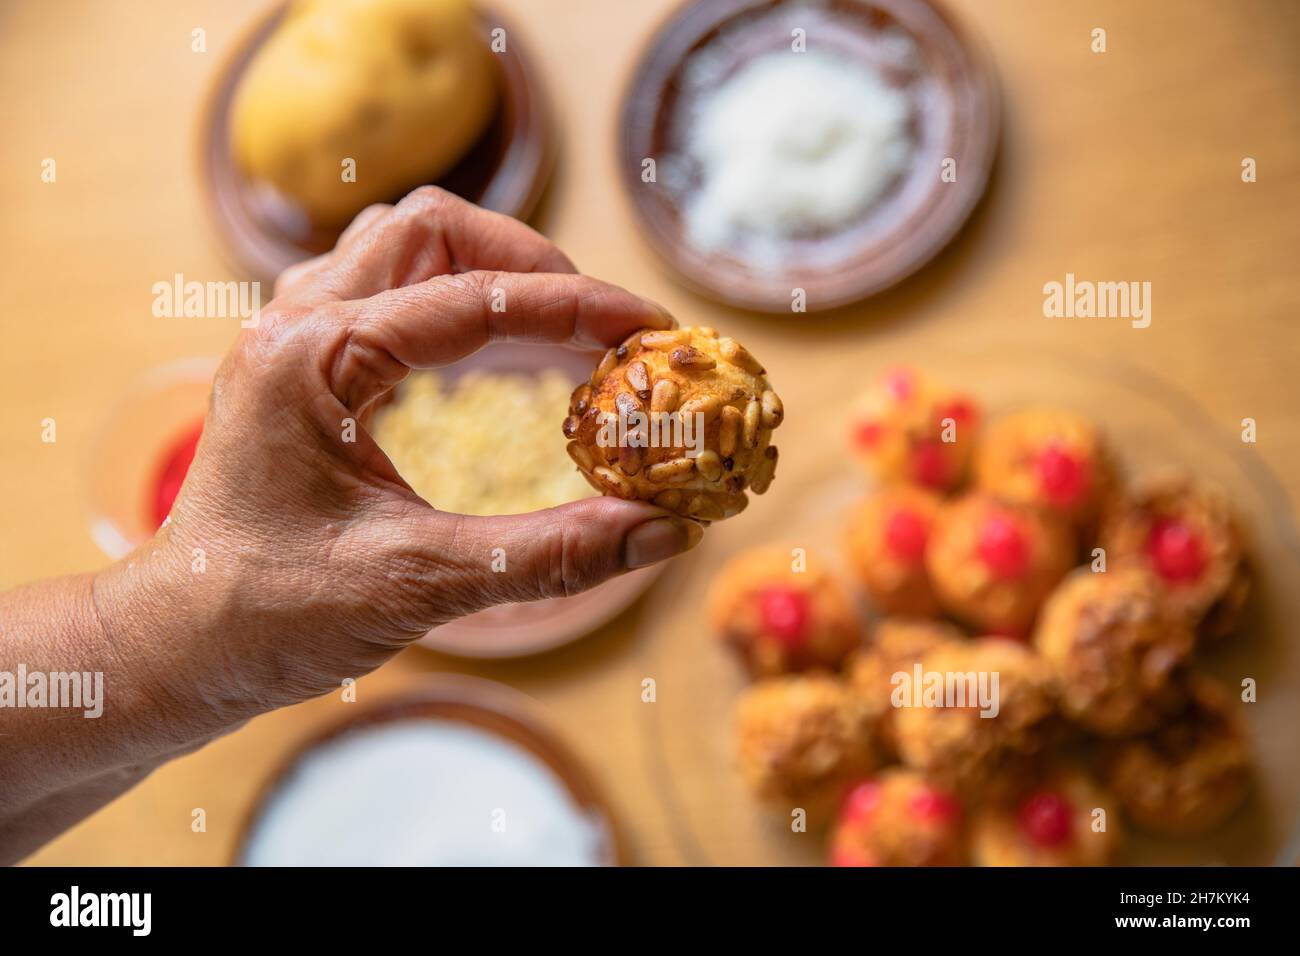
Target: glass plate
(1149, 423)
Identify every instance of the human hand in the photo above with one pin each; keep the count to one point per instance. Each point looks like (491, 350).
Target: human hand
(319, 562)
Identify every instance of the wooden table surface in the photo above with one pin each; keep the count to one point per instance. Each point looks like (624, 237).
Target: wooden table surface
(1117, 166)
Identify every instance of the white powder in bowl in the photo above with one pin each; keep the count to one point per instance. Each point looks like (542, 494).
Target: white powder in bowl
(423, 793)
(792, 144)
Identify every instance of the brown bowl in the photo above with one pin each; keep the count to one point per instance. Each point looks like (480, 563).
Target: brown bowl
(533, 627)
(955, 114)
(488, 706)
(505, 171)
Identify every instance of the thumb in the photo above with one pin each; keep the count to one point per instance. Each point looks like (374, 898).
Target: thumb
(553, 553)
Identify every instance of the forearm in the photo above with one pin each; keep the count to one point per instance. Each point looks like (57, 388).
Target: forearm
(90, 698)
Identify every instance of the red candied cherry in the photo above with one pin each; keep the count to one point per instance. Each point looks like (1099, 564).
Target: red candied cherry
(784, 612)
(934, 806)
(1002, 546)
(962, 411)
(905, 535)
(175, 464)
(1063, 476)
(867, 434)
(1176, 551)
(1047, 819)
(900, 383)
(930, 463)
(861, 802)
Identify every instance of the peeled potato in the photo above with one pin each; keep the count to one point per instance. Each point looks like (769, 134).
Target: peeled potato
(402, 87)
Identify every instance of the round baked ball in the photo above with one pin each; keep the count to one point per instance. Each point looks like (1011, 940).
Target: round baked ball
(898, 645)
(1190, 775)
(993, 563)
(990, 710)
(683, 418)
(885, 542)
(899, 819)
(909, 428)
(401, 87)
(1047, 820)
(1116, 649)
(782, 615)
(800, 739)
(1187, 533)
(1048, 458)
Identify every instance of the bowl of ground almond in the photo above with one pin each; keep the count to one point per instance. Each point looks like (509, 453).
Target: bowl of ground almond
(445, 431)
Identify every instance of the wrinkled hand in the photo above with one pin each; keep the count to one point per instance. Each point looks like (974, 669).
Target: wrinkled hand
(319, 562)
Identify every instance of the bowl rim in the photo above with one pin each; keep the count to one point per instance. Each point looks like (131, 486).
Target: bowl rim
(516, 188)
(919, 239)
(487, 705)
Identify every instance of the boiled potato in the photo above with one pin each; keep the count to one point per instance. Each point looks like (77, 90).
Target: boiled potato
(402, 87)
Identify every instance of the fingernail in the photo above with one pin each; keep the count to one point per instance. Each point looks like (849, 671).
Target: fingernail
(659, 540)
(662, 317)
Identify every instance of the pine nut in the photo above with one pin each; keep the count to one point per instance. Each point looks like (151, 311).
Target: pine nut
(580, 400)
(665, 340)
(709, 464)
(629, 459)
(773, 410)
(753, 416)
(761, 475)
(708, 405)
(670, 499)
(639, 378)
(704, 508)
(665, 396)
(737, 354)
(689, 358)
(581, 457)
(729, 430)
(614, 482)
(679, 469)
(589, 426)
(628, 403)
(607, 363)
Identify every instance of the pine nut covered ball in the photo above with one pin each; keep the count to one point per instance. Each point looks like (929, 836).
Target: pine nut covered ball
(885, 540)
(1190, 775)
(899, 819)
(972, 744)
(634, 431)
(780, 615)
(1117, 649)
(800, 739)
(910, 428)
(1048, 458)
(993, 563)
(1188, 534)
(1046, 819)
(898, 645)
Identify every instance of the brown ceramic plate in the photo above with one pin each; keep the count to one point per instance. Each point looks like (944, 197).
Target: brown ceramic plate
(955, 114)
(505, 171)
(518, 630)
(488, 706)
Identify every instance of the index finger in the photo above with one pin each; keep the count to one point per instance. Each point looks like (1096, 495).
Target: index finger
(431, 233)
(443, 320)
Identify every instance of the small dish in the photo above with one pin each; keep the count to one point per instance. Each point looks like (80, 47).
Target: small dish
(130, 448)
(506, 171)
(520, 630)
(954, 115)
(486, 706)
